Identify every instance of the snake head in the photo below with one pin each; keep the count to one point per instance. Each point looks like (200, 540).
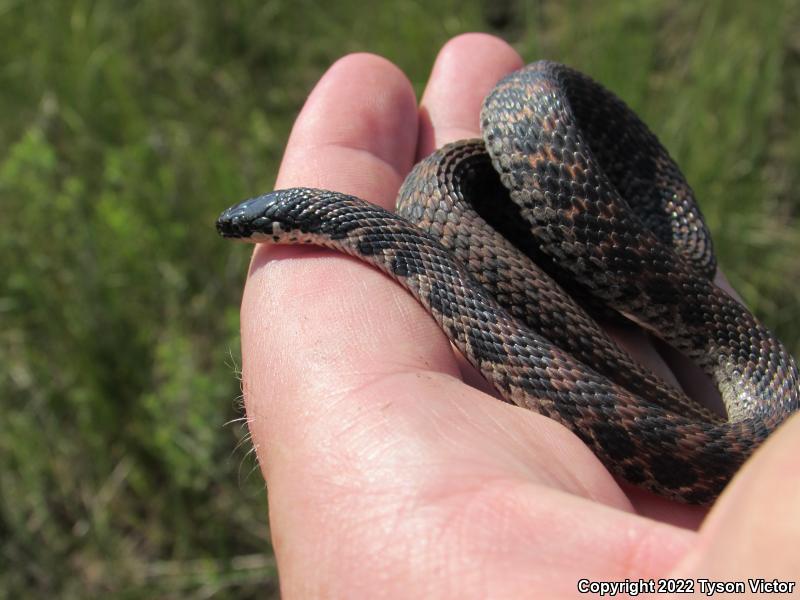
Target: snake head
(247, 218)
(268, 217)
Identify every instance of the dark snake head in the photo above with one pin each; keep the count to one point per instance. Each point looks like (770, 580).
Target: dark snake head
(270, 215)
(279, 216)
(243, 220)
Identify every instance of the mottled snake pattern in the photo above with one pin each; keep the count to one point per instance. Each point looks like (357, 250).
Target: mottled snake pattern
(597, 222)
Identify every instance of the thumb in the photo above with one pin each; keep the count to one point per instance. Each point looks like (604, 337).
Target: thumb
(753, 531)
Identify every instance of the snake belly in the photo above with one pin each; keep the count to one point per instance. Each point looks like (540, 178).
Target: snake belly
(590, 206)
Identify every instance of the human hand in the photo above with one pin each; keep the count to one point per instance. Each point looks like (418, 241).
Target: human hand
(387, 473)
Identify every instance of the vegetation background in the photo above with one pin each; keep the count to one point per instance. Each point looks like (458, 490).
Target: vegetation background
(125, 127)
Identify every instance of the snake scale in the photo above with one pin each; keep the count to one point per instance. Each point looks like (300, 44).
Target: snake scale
(596, 219)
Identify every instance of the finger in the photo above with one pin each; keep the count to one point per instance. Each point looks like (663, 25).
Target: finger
(466, 70)
(354, 132)
(322, 322)
(316, 324)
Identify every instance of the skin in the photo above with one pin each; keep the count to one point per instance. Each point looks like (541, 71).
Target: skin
(390, 468)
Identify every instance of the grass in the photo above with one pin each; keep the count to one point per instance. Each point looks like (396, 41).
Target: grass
(126, 127)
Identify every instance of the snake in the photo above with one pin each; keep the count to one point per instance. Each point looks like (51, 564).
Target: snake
(568, 212)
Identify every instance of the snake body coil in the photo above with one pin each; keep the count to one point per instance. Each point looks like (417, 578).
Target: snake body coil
(588, 193)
